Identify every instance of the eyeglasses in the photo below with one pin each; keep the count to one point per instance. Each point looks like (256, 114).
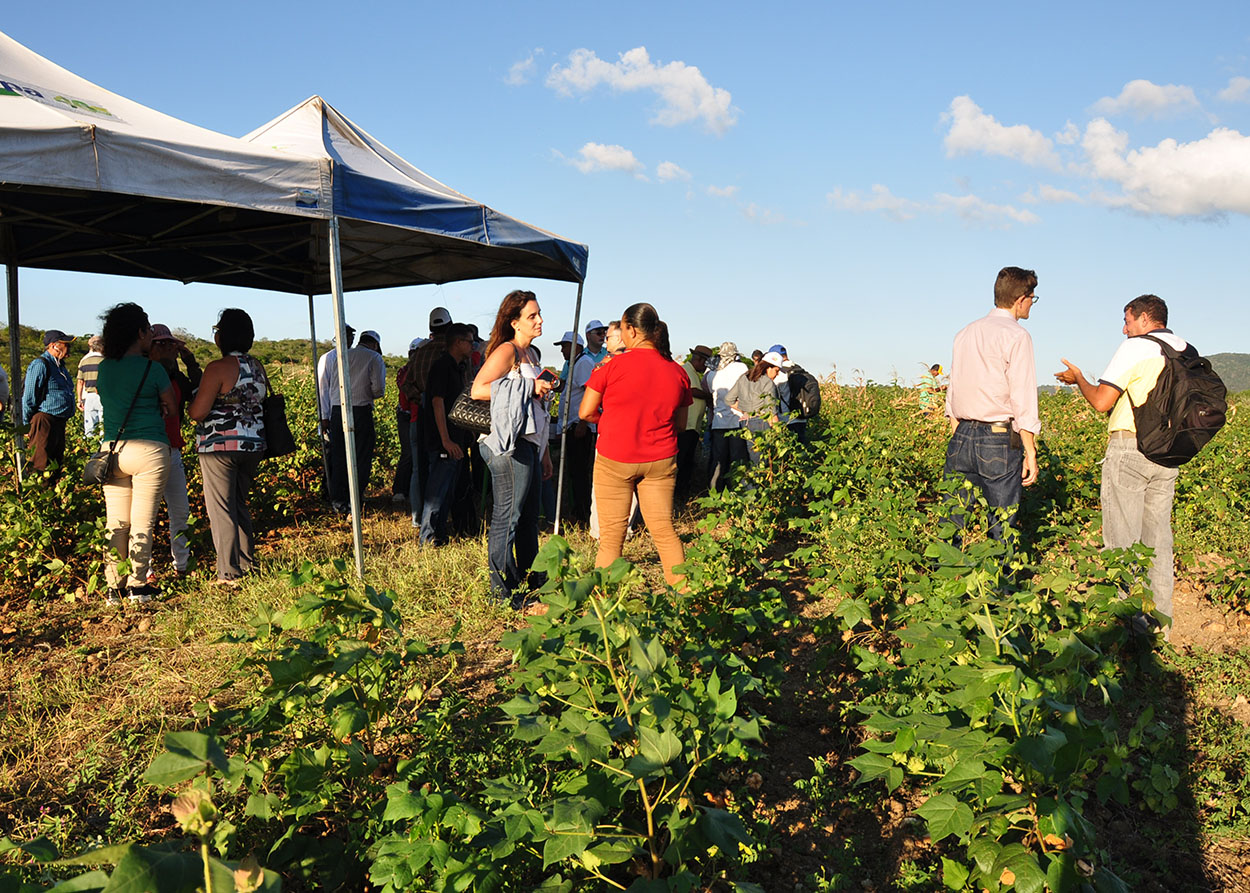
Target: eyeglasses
(1033, 298)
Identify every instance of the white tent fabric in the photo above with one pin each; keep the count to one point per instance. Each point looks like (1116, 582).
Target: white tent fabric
(400, 223)
(62, 131)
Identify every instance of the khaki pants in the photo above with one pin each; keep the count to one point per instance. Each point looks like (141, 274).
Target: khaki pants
(653, 482)
(132, 501)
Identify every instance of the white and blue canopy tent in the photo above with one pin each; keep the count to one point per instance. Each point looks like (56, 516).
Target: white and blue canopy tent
(91, 181)
(396, 225)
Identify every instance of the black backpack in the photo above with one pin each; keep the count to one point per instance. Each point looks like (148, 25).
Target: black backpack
(1184, 410)
(804, 393)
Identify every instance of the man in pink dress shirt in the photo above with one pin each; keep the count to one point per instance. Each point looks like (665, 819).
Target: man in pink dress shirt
(992, 399)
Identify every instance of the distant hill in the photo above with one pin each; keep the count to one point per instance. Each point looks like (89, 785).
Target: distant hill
(1234, 368)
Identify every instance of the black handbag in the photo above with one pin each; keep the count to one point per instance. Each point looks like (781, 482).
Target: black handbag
(279, 441)
(102, 464)
(474, 415)
(469, 414)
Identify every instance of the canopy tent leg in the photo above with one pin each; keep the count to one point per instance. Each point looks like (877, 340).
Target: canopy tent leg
(564, 409)
(345, 395)
(321, 441)
(17, 381)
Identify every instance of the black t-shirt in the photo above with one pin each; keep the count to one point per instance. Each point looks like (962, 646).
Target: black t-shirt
(447, 381)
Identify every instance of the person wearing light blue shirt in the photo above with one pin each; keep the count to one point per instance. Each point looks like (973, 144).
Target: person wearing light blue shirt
(48, 401)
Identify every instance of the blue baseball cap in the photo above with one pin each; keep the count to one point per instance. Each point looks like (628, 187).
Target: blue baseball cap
(777, 348)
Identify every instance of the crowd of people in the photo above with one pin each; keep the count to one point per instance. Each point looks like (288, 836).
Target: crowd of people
(632, 423)
(631, 419)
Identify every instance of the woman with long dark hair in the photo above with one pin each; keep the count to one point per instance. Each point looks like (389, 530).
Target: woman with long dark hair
(754, 396)
(516, 448)
(639, 401)
(230, 440)
(135, 395)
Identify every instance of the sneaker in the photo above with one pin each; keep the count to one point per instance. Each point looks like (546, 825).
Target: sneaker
(113, 598)
(141, 595)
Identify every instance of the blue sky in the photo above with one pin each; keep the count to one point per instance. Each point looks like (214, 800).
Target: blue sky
(844, 180)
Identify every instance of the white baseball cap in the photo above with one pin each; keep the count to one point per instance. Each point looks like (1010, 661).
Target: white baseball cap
(369, 333)
(594, 324)
(772, 358)
(439, 316)
(415, 343)
(569, 337)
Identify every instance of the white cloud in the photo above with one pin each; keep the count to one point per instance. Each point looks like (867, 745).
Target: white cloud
(756, 214)
(722, 191)
(972, 130)
(1238, 90)
(598, 157)
(1206, 177)
(667, 170)
(1049, 193)
(1145, 99)
(521, 72)
(977, 210)
(969, 208)
(1069, 136)
(685, 94)
(881, 200)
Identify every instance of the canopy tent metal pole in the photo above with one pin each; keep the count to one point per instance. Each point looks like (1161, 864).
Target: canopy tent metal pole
(345, 394)
(17, 381)
(321, 440)
(564, 408)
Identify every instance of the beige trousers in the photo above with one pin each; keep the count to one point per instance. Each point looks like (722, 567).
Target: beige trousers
(132, 501)
(616, 483)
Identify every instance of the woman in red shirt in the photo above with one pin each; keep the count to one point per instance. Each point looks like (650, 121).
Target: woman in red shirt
(639, 401)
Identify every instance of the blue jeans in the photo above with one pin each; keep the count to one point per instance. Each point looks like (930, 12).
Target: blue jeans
(438, 489)
(516, 482)
(987, 459)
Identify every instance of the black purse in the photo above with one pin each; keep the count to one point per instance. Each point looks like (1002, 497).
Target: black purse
(469, 414)
(279, 441)
(474, 415)
(102, 464)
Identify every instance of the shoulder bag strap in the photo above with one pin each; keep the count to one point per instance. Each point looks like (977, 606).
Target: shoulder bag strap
(133, 400)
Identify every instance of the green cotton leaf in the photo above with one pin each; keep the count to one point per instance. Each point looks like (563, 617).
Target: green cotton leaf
(983, 851)
(854, 611)
(522, 705)
(724, 829)
(961, 775)
(747, 729)
(871, 765)
(1039, 750)
(169, 769)
(84, 883)
(1023, 864)
(350, 653)
(105, 855)
(613, 852)
(954, 875)
(646, 659)
(744, 887)
(40, 849)
(945, 816)
(258, 805)
(348, 720)
(198, 745)
(401, 803)
(659, 748)
(145, 869)
(563, 845)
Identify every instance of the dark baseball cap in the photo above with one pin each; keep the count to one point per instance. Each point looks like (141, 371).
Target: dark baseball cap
(53, 335)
